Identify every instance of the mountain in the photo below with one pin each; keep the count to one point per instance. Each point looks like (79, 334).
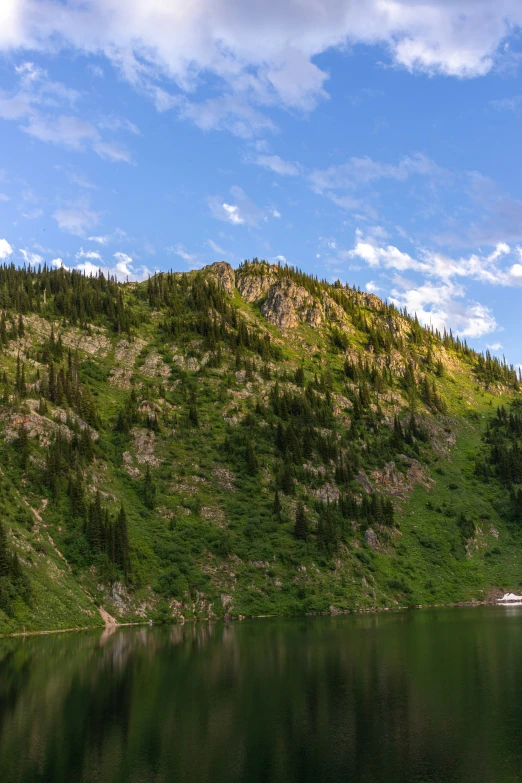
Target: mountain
(244, 442)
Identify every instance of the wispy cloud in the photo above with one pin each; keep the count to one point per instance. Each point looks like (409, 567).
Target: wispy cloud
(77, 219)
(276, 164)
(191, 259)
(38, 103)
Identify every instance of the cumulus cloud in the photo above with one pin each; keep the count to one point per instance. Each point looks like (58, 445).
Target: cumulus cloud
(57, 263)
(262, 53)
(500, 267)
(91, 255)
(122, 267)
(439, 297)
(5, 249)
(441, 307)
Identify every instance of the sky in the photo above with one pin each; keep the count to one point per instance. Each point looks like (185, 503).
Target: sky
(373, 142)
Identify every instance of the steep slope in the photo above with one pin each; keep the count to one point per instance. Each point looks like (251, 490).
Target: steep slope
(242, 442)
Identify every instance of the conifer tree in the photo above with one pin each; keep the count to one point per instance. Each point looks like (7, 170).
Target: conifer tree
(301, 523)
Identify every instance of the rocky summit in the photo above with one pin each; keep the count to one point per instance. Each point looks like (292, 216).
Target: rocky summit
(226, 443)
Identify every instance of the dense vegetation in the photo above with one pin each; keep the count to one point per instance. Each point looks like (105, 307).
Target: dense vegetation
(168, 449)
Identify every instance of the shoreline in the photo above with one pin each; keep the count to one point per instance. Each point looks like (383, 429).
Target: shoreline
(113, 626)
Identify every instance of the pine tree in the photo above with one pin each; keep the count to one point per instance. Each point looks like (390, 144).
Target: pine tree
(251, 459)
(149, 490)
(4, 553)
(121, 542)
(23, 446)
(276, 505)
(301, 523)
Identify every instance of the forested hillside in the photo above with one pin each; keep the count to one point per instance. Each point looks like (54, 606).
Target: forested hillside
(224, 443)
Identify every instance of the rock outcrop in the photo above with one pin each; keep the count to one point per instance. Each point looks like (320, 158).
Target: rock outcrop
(255, 287)
(288, 304)
(223, 274)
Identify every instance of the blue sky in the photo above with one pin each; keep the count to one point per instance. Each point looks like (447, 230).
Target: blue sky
(375, 142)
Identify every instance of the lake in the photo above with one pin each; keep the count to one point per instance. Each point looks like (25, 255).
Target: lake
(413, 696)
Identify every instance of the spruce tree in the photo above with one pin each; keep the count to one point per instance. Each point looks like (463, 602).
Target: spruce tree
(301, 523)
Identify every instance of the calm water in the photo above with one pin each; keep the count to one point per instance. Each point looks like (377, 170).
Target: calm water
(412, 697)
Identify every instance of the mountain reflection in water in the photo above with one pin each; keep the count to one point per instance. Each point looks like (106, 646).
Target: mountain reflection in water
(421, 696)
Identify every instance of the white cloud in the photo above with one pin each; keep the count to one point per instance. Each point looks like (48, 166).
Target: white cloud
(76, 219)
(123, 269)
(232, 213)
(242, 212)
(216, 248)
(5, 249)
(372, 287)
(438, 306)
(361, 171)
(193, 261)
(483, 268)
(38, 103)
(88, 268)
(92, 255)
(439, 298)
(114, 123)
(276, 164)
(75, 134)
(30, 258)
(104, 239)
(495, 347)
(32, 214)
(227, 112)
(4, 197)
(116, 153)
(508, 104)
(57, 263)
(260, 52)
(76, 177)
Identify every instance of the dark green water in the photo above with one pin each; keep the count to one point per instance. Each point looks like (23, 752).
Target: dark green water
(412, 697)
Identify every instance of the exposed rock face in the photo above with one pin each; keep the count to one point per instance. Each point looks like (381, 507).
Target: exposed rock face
(371, 538)
(143, 442)
(288, 304)
(255, 287)
(223, 275)
(396, 483)
(332, 310)
(371, 301)
(364, 482)
(125, 355)
(328, 493)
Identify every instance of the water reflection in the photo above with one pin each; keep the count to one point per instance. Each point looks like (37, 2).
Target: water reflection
(418, 696)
